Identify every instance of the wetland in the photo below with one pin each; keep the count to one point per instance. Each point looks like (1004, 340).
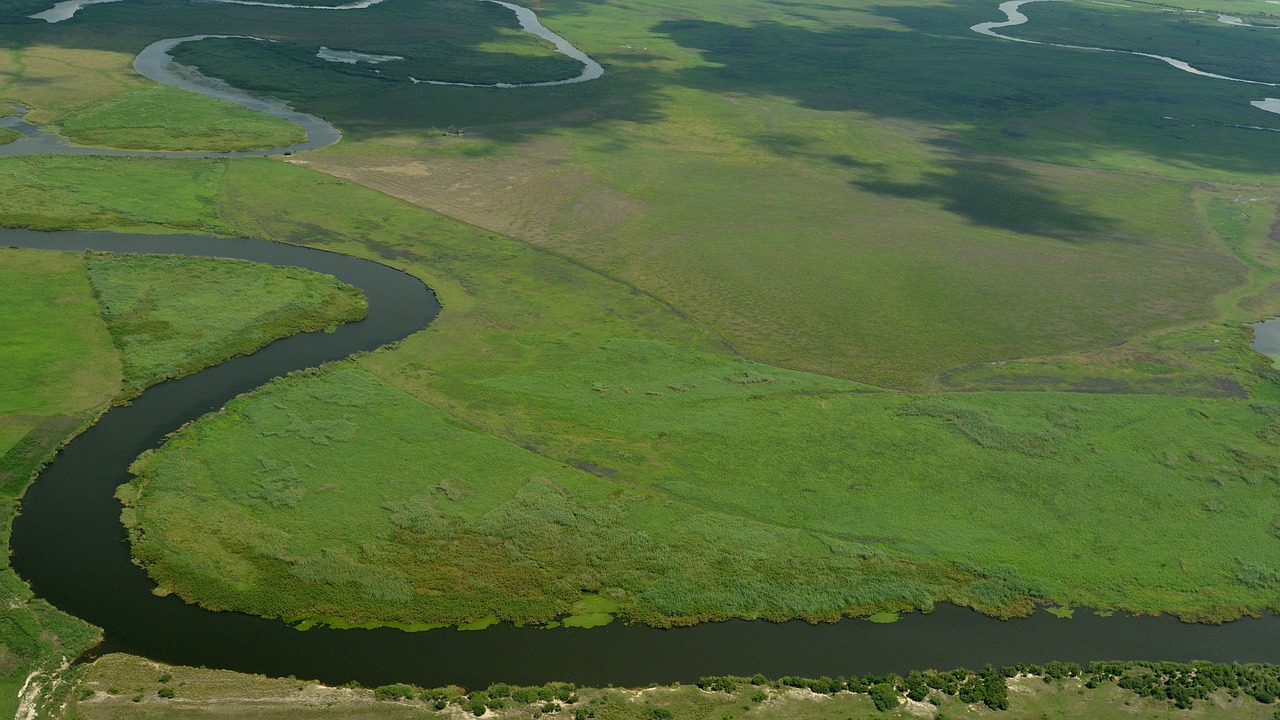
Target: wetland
(554, 447)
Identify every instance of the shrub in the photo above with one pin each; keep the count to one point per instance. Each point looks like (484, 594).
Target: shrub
(917, 688)
(884, 696)
(166, 692)
(719, 683)
(526, 695)
(398, 691)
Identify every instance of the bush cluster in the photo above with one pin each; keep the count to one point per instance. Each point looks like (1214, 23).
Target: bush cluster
(986, 686)
(494, 697)
(1184, 683)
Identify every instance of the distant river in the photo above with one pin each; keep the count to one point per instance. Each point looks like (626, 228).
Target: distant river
(1014, 17)
(527, 18)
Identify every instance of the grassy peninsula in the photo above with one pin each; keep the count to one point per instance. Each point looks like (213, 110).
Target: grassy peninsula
(165, 118)
(171, 316)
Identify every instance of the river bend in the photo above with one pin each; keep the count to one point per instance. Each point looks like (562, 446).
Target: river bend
(70, 545)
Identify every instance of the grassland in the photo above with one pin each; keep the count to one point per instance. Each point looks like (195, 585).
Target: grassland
(442, 524)
(56, 363)
(926, 228)
(573, 378)
(59, 369)
(110, 194)
(117, 686)
(171, 316)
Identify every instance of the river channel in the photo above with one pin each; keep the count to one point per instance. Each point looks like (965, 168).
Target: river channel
(69, 544)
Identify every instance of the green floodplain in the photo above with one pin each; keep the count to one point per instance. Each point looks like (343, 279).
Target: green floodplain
(772, 321)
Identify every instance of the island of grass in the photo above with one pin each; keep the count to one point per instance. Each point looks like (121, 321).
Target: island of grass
(69, 346)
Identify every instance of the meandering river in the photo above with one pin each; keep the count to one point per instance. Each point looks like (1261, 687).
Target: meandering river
(158, 51)
(69, 544)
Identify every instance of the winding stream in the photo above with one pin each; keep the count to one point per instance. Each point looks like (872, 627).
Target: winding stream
(69, 544)
(530, 23)
(1014, 17)
(159, 59)
(156, 62)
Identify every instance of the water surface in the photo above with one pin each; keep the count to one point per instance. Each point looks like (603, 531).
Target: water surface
(66, 10)
(1266, 338)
